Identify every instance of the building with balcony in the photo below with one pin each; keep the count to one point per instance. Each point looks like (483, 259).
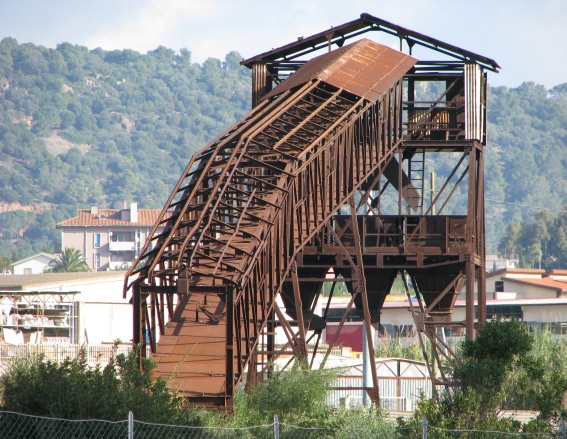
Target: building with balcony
(110, 239)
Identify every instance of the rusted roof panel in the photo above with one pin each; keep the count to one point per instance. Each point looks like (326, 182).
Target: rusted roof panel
(364, 68)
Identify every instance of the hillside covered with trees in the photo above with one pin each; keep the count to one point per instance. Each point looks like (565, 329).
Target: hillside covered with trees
(80, 127)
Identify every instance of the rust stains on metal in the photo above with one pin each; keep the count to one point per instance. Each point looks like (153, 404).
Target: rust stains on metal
(258, 216)
(365, 68)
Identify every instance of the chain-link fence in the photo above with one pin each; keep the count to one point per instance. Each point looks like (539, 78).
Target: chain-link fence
(427, 431)
(20, 426)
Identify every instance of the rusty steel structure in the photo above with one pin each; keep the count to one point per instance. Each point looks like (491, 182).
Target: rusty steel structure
(323, 181)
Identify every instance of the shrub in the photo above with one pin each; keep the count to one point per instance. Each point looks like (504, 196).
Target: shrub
(74, 390)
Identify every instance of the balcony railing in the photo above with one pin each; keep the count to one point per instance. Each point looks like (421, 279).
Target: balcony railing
(122, 246)
(386, 234)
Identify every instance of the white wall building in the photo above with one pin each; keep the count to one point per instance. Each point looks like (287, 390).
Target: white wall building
(35, 264)
(97, 313)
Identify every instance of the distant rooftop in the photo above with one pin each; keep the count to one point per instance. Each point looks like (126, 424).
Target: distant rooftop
(516, 271)
(532, 272)
(551, 284)
(37, 255)
(20, 282)
(96, 216)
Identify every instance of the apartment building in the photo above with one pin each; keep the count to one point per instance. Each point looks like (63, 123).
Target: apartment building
(110, 239)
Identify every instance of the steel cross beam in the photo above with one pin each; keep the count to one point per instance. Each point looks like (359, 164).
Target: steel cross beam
(243, 219)
(240, 214)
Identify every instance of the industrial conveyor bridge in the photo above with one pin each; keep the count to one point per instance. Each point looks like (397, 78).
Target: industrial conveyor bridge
(294, 195)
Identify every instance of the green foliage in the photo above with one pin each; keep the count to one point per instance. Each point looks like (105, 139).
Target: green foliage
(545, 394)
(134, 120)
(80, 127)
(71, 260)
(400, 347)
(505, 341)
(462, 410)
(74, 390)
(361, 423)
(5, 265)
(540, 243)
(500, 347)
(298, 396)
(496, 367)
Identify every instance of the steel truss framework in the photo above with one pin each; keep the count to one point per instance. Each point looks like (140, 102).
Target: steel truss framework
(257, 216)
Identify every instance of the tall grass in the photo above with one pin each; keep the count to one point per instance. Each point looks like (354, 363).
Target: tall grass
(400, 347)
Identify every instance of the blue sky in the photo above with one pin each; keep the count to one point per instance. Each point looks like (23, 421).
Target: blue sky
(528, 38)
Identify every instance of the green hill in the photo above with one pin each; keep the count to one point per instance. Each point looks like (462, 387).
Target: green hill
(80, 127)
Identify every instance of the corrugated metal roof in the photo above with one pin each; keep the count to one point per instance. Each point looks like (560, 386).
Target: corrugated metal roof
(364, 68)
(490, 302)
(111, 217)
(20, 282)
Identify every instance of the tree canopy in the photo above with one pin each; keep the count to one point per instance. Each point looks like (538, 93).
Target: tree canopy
(539, 243)
(80, 127)
(71, 260)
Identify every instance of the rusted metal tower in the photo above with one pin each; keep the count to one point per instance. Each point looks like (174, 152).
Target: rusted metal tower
(326, 172)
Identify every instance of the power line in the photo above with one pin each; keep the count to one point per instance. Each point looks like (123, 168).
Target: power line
(530, 206)
(526, 205)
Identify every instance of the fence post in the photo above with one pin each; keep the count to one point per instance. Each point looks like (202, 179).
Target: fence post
(424, 427)
(130, 425)
(276, 427)
(563, 429)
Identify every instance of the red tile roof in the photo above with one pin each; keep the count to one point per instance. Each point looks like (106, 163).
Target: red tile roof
(556, 272)
(544, 283)
(111, 217)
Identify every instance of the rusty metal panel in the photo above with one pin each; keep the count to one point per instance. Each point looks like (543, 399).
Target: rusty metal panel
(474, 119)
(252, 200)
(364, 68)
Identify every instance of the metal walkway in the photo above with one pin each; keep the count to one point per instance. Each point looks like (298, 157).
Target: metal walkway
(248, 203)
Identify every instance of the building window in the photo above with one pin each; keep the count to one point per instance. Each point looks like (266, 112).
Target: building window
(499, 286)
(27, 271)
(117, 257)
(396, 331)
(122, 237)
(96, 261)
(505, 311)
(96, 243)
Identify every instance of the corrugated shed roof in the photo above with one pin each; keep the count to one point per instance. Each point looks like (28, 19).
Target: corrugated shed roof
(19, 282)
(364, 68)
(110, 217)
(490, 302)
